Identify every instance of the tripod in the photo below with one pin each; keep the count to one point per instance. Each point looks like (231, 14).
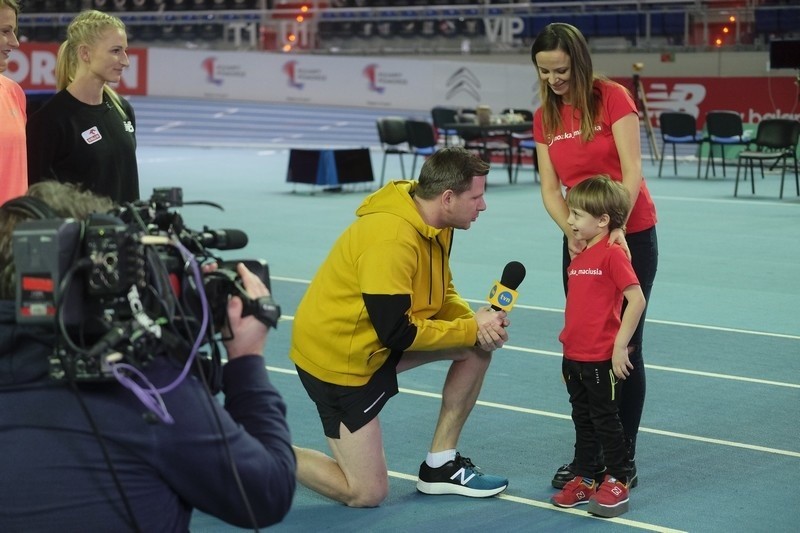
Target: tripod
(641, 103)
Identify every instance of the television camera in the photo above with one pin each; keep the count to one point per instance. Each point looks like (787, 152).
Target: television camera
(128, 285)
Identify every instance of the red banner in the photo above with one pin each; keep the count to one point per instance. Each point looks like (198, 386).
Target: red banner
(33, 67)
(753, 98)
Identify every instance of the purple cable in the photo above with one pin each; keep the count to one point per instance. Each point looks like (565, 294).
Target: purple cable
(149, 395)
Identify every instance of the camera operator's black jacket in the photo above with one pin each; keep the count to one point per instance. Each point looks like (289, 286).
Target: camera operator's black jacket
(54, 473)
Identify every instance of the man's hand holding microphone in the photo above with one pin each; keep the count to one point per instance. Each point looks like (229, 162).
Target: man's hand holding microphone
(493, 319)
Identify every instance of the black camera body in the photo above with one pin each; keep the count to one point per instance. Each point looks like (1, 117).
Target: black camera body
(127, 286)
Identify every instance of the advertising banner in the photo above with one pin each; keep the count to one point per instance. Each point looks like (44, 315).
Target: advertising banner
(33, 67)
(345, 81)
(753, 98)
(387, 83)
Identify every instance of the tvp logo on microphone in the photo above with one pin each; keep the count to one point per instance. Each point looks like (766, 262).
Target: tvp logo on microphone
(502, 297)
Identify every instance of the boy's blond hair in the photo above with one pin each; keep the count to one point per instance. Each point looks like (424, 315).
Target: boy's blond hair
(600, 195)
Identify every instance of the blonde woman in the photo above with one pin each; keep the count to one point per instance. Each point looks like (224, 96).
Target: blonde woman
(14, 177)
(85, 134)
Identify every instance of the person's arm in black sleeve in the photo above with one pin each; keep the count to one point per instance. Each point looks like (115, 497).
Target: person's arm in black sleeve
(389, 316)
(253, 433)
(386, 272)
(252, 401)
(268, 478)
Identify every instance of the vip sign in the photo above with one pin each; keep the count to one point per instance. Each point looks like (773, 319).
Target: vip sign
(503, 29)
(33, 67)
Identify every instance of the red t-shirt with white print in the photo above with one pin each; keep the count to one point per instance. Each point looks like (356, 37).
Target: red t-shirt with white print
(575, 161)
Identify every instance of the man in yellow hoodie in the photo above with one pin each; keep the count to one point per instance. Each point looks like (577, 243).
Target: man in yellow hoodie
(384, 302)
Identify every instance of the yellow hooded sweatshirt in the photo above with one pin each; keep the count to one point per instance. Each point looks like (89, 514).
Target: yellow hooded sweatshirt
(385, 287)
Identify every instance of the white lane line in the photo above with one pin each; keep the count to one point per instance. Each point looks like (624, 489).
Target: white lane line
(559, 416)
(648, 320)
(676, 370)
(550, 507)
(227, 112)
(169, 126)
(701, 373)
(663, 322)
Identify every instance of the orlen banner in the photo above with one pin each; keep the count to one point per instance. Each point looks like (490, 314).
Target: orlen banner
(33, 67)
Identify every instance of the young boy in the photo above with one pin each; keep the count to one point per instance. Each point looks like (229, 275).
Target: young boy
(595, 342)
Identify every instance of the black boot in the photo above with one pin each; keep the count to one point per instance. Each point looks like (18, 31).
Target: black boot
(566, 473)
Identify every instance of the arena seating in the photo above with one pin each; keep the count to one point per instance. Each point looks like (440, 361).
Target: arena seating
(382, 24)
(773, 20)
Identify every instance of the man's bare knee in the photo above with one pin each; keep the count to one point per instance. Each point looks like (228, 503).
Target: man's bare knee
(360, 457)
(368, 496)
(477, 357)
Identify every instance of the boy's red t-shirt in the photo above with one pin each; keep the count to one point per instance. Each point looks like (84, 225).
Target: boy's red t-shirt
(596, 278)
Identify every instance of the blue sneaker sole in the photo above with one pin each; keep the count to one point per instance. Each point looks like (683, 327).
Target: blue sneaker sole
(460, 490)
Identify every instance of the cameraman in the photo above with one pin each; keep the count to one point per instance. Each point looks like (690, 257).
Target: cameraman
(141, 474)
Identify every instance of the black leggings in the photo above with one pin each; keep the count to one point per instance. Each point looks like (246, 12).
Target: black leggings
(594, 395)
(644, 257)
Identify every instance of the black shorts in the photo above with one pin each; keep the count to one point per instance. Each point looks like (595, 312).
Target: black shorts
(352, 406)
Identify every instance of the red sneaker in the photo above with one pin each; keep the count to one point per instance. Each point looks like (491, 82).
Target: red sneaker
(610, 499)
(575, 492)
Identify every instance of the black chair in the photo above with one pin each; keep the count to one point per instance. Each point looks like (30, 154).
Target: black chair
(482, 140)
(53, 6)
(394, 140)
(776, 142)
(527, 145)
(517, 138)
(442, 115)
(167, 32)
(144, 32)
(188, 32)
(211, 32)
(421, 140)
(140, 5)
(724, 128)
(678, 128)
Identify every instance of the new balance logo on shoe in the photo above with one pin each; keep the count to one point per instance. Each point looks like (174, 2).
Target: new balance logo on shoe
(576, 492)
(461, 477)
(461, 473)
(610, 500)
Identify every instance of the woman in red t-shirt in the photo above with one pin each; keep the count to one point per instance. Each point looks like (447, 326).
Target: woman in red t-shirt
(589, 125)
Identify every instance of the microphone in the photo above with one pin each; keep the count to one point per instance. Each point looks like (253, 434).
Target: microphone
(503, 294)
(223, 239)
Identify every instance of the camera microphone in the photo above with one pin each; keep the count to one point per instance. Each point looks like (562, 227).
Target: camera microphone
(503, 295)
(223, 239)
